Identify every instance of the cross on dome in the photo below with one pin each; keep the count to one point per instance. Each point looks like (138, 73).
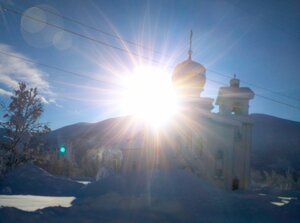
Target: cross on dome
(191, 41)
(189, 76)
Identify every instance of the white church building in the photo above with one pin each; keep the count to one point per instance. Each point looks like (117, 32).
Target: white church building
(214, 146)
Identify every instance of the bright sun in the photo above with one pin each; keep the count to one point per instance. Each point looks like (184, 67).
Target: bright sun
(149, 95)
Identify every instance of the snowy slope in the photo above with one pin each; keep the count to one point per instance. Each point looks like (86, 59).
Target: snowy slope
(175, 195)
(276, 144)
(30, 179)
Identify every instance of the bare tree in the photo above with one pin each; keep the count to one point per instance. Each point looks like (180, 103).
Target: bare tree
(21, 123)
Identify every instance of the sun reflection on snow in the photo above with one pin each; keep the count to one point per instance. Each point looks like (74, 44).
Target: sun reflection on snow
(283, 201)
(34, 202)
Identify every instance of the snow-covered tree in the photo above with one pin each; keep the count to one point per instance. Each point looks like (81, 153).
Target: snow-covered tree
(21, 123)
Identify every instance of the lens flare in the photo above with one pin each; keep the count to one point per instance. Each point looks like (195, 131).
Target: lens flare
(62, 149)
(149, 95)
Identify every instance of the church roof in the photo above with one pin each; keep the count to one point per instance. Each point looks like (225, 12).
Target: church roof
(190, 64)
(233, 92)
(189, 67)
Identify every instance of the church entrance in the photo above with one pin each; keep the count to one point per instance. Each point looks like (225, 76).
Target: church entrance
(235, 184)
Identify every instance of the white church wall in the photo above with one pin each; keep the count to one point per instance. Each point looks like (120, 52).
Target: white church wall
(233, 105)
(202, 151)
(241, 154)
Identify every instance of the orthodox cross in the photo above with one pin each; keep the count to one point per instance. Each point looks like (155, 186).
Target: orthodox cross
(190, 50)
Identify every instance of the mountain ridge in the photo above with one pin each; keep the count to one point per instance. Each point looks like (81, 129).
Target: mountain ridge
(275, 141)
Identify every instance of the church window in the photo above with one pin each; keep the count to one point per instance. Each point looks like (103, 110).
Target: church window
(219, 164)
(179, 147)
(115, 165)
(237, 135)
(198, 149)
(134, 165)
(235, 184)
(236, 110)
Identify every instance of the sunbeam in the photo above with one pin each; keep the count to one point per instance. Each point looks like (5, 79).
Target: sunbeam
(149, 95)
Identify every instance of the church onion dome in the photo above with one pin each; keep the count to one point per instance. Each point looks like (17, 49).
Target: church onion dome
(189, 77)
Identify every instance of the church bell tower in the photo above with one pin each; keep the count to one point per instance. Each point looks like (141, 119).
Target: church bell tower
(234, 99)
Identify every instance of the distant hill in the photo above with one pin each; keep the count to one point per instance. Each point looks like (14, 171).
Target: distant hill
(276, 141)
(85, 136)
(276, 144)
(88, 131)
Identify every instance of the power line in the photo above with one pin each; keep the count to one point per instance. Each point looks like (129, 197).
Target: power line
(260, 95)
(126, 51)
(280, 102)
(51, 67)
(257, 86)
(95, 29)
(94, 79)
(80, 35)
(132, 53)
(274, 26)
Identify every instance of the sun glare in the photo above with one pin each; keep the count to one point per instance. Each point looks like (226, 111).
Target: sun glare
(149, 95)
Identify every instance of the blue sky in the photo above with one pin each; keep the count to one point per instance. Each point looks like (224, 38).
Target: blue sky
(257, 40)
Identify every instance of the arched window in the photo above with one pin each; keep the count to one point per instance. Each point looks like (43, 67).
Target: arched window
(237, 110)
(198, 148)
(115, 165)
(237, 134)
(134, 165)
(235, 183)
(219, 162)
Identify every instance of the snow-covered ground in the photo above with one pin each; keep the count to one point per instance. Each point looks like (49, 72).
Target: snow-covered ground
(83, 182)
(34, 202)
(32, 180)
(174, 195)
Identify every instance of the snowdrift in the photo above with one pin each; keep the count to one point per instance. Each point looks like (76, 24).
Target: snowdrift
(176, 195)
(173, 195)
(30, 179)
